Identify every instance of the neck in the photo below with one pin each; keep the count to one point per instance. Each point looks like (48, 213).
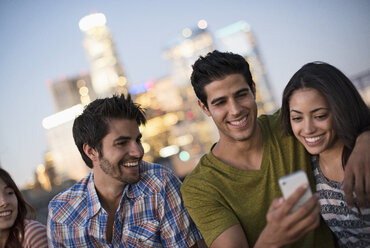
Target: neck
(4, 234)
(244, 155)
(109, 191)
(331, 163)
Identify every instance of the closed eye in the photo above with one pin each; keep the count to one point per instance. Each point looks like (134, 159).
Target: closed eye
(296, 119)
(321, 117)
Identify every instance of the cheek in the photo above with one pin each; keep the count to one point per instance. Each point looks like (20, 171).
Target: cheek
(295, 128)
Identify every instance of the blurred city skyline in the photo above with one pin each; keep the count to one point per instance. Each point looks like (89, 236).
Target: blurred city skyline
(41, 41)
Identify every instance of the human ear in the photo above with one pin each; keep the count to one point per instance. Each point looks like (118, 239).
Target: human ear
(204, 108)
(92, 153)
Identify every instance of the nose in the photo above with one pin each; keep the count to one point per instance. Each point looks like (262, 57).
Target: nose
(309, 126)
(3, 201)
(235, 107)
(136, 150)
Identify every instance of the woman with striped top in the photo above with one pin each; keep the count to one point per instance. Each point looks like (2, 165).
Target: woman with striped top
(15, 229)
(325, 112)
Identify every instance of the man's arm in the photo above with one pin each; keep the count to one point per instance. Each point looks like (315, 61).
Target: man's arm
(282, 226)
(357, 172)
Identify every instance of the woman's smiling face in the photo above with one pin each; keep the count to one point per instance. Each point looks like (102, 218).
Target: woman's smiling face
(8, 206)
(312, 120)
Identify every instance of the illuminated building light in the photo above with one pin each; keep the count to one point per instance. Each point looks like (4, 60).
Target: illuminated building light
(184, 156)
(122, 81)
(146, 147)
(189, 115)
(62, 117)
(85, 100)
(149, 85)
(81, 83)
(184, 140)
(202, 24)
(91, 21)
(169, 151)
(186, 32)
(84, 91)
(137, 88)
(170, 119)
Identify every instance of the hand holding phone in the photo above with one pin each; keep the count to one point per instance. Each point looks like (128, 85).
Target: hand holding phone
(290, 183)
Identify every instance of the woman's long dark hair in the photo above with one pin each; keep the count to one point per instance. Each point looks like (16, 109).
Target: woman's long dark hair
(16, 232)
(351, 116)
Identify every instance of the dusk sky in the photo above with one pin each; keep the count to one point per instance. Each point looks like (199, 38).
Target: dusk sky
(40, 40)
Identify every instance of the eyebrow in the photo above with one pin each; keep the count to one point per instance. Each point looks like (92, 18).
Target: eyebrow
(222, 97)
(120, 138)
(312, 111)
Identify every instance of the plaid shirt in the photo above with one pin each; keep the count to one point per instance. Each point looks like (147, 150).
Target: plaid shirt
(151, 214)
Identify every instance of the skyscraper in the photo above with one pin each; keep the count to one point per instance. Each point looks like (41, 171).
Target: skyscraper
(106, 73)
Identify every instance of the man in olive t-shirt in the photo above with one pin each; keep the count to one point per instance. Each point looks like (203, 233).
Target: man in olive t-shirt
(230, 193)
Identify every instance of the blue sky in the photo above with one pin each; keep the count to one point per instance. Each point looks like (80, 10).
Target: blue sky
(40, 40)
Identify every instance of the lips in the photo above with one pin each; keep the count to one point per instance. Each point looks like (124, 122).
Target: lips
(239, 123)
(131, 164)
(311, 141)
(5, 213)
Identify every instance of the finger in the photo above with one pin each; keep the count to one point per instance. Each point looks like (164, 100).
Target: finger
(307, 224)
(273, 211)
(347, 186)
(310, 221)
(293, 199)
(310, 206)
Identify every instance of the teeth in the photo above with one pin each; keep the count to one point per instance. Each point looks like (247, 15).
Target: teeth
(131, 164)
(238, 123)
(313, 139)
(6, 213)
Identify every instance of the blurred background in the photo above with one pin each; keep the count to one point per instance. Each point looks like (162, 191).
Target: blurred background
(57, 56)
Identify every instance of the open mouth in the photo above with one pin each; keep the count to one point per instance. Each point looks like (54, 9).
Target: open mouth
(131, 164)
(5, 213)
(313, 140)
(239, 123)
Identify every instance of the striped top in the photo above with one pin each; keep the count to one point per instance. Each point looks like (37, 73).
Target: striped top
(151, 214)
(351, 227)
(34, 235)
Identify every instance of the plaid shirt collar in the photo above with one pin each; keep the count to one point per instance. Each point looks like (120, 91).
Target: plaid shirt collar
(132, 191)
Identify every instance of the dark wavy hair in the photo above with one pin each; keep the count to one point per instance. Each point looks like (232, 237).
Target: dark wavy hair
(216, 66)
(92, 125)
(351, 116)
(16, 232)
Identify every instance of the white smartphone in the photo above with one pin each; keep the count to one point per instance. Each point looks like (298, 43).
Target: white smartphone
(289, 184)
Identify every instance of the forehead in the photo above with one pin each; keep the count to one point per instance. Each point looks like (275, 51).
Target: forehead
(3, 185)
(307, 98)
(223, 87)
(122, 127)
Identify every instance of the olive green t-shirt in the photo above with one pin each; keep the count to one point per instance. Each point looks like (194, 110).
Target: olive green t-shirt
(218, 196)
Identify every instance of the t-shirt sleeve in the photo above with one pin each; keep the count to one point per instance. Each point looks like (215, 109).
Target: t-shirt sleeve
(34, 235)
(211, 215)
(176, 225)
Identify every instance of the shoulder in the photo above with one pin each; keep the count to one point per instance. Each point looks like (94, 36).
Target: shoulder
(204, 178)
(156, 178)
(34, 234)
(271, 123)
(72, 201)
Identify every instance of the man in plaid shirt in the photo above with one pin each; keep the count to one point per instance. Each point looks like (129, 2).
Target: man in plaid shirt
(124, 201)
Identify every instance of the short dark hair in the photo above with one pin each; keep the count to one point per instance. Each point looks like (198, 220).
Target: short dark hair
(216, 66)
(16, 232)
(92, 125)
(351, 116)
